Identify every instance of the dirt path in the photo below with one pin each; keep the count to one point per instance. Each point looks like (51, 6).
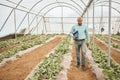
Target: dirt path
(75, 73)
(20, 68)
(114, 53)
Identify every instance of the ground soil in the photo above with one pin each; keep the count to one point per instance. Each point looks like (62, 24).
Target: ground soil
(75, 73)
(114, 53)
(20, 68)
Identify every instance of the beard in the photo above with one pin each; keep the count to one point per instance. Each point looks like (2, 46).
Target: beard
(79, 24)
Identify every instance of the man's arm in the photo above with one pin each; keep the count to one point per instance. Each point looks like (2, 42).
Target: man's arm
(71, 33)
(87, 34)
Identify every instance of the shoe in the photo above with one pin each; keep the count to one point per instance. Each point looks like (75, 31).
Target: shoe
(83, 67)
(78, 64)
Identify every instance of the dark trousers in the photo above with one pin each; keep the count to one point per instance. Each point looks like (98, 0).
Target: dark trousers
(80, 45)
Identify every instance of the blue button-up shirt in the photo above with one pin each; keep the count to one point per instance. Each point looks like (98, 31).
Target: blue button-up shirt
(82, 32)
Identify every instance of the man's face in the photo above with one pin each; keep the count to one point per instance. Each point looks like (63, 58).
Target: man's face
(79, 21)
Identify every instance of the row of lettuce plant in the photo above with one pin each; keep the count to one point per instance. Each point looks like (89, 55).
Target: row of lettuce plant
(12, 42)
(100, 57)
(115, 45)
(9, 53)
(51, 65)
(116, 36)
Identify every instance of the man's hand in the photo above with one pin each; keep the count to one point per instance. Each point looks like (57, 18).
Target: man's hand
(87, 45)
(74, 38)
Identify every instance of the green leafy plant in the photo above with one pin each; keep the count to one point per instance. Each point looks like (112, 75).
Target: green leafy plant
(24, 46)
(18, 40)
(115, 45)
(116, 36)
(51, 65)
(100, 57)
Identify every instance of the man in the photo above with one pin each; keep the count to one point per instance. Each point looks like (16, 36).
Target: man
(79, 32)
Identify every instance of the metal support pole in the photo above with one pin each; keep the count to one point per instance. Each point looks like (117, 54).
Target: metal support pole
(87, 18)
(83, 17)
(119, 28)
(21, 22)
(109, 33)
(62, 19)
(45, 24)
(37, 23)
(6, 20)
(49, 25)
(15, 23)
(28, 22)
(101, 20)
(10, 15)
(93, 23)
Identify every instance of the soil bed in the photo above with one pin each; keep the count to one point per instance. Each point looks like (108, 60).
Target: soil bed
(114, 53)
(20, 68)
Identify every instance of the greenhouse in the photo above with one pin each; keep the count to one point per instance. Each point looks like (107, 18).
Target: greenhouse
(60, 40)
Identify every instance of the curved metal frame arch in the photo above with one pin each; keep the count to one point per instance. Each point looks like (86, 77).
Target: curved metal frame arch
(48, 11)
(42, 0)
(27, 12)
(60, 6)
(52, 9)
(43, 9)
(83, 3)
(108, 6)
(77, 4)
(50, 5)
(97, 1)
(111, 7)
(35, 5)
(107, 1)
(56, 3)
